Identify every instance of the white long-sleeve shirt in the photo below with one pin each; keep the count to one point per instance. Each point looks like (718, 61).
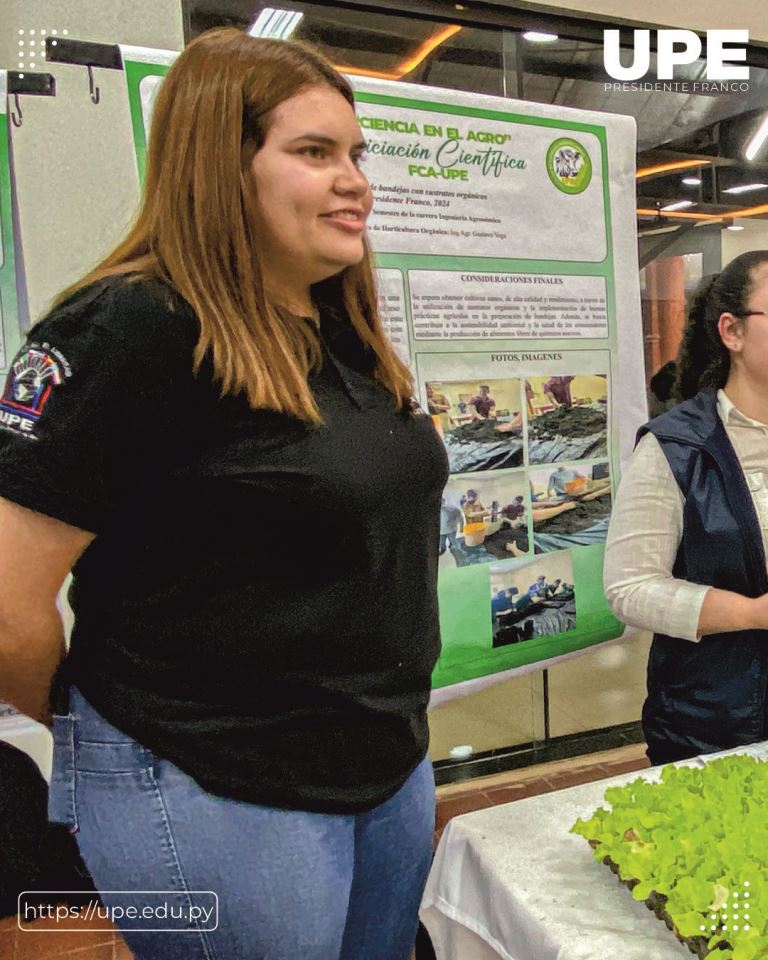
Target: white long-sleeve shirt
(647, 525)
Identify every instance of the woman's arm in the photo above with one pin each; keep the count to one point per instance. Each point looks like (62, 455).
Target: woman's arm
(723, 611)
(643, 540)
(601, 487)
(546, 513)
(36, 554)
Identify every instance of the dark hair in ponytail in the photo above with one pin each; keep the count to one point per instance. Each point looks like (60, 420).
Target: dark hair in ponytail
(704, 361)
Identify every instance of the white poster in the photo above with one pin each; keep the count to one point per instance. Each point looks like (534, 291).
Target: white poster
(505, 241)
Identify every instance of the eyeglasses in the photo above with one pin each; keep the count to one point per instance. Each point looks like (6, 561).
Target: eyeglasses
(752, 313)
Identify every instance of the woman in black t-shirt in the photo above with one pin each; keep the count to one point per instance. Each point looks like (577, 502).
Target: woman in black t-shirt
(213, 433)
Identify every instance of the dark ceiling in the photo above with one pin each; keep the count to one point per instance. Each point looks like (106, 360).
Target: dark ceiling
(673, 127)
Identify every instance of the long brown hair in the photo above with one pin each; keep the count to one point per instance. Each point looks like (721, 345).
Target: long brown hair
(195, 228)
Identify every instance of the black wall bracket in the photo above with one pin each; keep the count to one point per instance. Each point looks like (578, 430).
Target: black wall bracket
(30, 84)
(85, 53)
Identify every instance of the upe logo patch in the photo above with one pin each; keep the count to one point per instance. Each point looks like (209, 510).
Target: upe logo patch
(35, 371)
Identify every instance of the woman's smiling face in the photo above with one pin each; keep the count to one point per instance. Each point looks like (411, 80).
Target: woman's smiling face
(313, 199)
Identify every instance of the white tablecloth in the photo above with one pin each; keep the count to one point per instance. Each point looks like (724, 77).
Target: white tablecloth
(511, 882)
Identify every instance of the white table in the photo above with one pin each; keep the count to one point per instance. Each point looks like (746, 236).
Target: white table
(511, 882)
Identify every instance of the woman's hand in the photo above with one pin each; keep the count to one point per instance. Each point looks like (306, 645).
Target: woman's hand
(760, 612)
(724, 611)
(36, 554)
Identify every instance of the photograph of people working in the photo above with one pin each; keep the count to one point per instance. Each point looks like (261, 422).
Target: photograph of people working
(570, 505)
(481, 422)
(483, 522)
(567, 417)
(526, 603)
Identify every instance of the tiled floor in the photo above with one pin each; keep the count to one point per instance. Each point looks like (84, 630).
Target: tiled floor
(458, 798)
(452, 800)
(43, 941)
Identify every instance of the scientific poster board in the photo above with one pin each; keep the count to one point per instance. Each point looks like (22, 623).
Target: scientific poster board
(505, 241)
(144, 70)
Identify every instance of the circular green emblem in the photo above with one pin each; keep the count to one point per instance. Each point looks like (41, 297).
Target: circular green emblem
(569, 166)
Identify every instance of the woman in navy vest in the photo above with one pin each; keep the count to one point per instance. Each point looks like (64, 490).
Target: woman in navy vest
(686, 550)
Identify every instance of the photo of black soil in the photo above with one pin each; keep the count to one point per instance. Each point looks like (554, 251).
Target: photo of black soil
(494, 547)
(479, 431)
(481, 445)
(581, 517)
(568, 422)
(584, 525)
(567, 433)
(496, 543)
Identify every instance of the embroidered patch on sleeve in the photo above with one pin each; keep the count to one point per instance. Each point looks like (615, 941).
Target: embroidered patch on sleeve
(35, 371)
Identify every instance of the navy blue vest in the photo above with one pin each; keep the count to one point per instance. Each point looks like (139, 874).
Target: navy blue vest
(709, 695)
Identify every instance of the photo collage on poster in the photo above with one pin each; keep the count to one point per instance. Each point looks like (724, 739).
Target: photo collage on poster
(529, 478)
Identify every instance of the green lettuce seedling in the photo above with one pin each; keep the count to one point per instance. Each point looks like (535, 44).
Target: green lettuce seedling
(697, 842)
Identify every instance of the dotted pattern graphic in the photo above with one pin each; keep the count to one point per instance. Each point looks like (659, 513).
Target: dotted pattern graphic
(32, 45)
(736, 915)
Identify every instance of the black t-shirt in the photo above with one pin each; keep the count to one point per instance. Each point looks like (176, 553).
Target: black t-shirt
(259, 604)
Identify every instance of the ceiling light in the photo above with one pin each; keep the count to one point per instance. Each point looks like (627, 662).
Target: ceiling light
(680, 205)
(692, 181)
(536, 37)
(746, 187)
(661, 168)
(656, 232)
(653, 213)
(734, 226)
(753, 147)
(275, 23)
(409, 64)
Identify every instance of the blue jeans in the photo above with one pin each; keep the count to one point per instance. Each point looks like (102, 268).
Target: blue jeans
(291, 885)
(448, 540)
